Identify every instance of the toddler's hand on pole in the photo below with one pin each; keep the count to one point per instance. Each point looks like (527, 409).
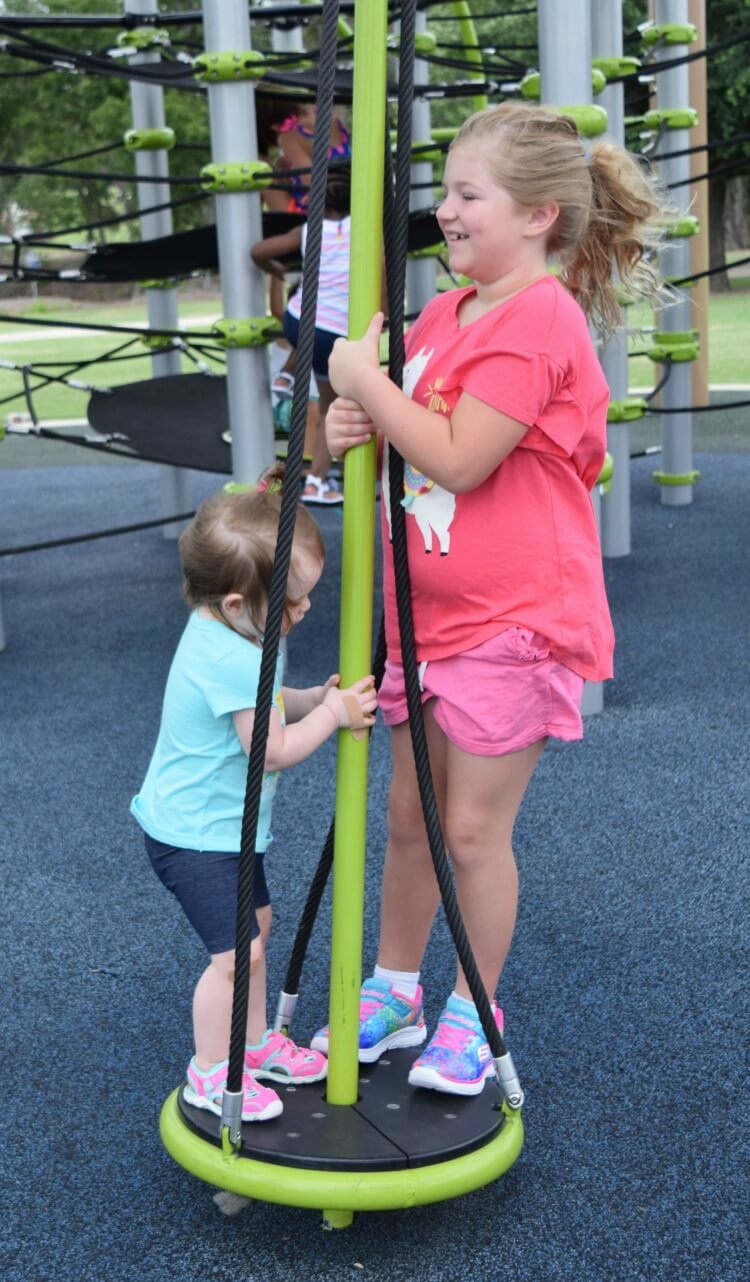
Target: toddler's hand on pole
(354, 706)
(351, 358)
(347, 424)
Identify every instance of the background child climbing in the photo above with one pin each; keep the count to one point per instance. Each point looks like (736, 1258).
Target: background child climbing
(191, 802)
(502, 424)
(331, 318)
(288, 130)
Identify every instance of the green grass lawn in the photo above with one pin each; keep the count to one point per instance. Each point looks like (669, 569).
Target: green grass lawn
(729, 348)
(728, 339)
(56, 401)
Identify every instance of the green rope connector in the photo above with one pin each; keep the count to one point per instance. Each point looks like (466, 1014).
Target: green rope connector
(531, 85)
(163, 282)
(627, 409)
(423, 151)
(149, 139)
(156, 342)
(143, 38)
(604, 479)
(443, 133)
(237, 487)
(688, 225)
(614, 67)
(668, 33)
(245, 64)
(246, 175)
(590, 120)
(678, 346)
(428, 251)
(671, 118)
(256, 331)
(676, 478)
(424, 42)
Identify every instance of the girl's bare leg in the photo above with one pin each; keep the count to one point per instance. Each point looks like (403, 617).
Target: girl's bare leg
(484, 795)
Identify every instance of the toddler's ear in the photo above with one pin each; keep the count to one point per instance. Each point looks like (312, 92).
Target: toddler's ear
(233, 603)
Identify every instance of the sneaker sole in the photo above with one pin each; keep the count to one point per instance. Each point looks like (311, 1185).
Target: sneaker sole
(402, 1037)
(431, 1080)
(199, 1101)
(286, 1079)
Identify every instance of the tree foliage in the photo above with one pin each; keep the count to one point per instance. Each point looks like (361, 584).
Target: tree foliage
(50, 115)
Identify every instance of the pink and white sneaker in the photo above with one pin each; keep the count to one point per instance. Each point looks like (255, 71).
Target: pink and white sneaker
(204, 1090)
(277, 1058)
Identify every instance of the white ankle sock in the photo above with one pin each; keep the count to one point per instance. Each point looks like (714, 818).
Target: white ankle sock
(469, 1005)
(405, 982)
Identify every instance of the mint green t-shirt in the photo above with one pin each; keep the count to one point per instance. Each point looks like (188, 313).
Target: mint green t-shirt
(194, 791)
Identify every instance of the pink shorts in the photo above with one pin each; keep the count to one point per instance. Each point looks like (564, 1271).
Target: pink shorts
(500, 697)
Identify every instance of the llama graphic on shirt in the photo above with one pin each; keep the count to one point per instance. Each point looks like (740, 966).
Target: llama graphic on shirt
(431, 506)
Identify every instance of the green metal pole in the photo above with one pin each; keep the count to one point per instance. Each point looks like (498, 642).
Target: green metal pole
(358, 556)
(468, 31)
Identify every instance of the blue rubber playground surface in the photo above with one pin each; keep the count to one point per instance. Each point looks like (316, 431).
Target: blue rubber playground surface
(625, 993)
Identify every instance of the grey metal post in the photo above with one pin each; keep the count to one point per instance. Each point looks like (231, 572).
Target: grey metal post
(226, 27)
(673, 90)
(285, 39)
(420, 272)
(565, 70)
(147, 109)
(565, 51)
(606, 41)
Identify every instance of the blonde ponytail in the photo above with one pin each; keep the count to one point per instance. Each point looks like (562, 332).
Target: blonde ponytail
(624, 230)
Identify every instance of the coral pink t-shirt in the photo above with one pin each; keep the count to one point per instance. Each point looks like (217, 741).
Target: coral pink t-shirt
(522, 548)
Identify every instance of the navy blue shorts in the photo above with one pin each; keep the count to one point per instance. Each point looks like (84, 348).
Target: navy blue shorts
(204, 883)
(322, 346)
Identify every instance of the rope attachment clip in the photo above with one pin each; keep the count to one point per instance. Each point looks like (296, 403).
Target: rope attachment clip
(623, 411)
(677, 346)
(255, 331)
(591, 120)
(244, 64)
(149, 139)
(671, 118)
(141, 39)
(239, 176)
(531, 85)
(667, 33)
(508, 1082)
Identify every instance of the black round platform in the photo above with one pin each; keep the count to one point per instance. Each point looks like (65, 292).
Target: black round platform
(393, 1126)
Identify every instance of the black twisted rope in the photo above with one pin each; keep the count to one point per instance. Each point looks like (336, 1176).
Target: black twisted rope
(396, 211)
(395, 237)
(287, 519)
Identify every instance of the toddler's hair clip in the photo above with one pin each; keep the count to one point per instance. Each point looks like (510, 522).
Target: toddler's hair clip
(271, 484)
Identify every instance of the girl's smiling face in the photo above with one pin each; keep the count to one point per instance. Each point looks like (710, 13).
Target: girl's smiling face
(487, 232)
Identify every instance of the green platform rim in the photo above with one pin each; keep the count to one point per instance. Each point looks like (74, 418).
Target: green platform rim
(340, 1190)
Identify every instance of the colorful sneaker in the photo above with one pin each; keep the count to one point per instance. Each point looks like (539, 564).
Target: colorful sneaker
(277, 1058)
(204, 1090)
(457, 1059)
(387, 1020)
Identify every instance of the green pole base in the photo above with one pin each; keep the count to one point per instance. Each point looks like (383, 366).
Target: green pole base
(337, 1219)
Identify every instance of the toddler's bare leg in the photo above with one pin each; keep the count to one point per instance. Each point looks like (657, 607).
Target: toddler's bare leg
(212, 1003)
